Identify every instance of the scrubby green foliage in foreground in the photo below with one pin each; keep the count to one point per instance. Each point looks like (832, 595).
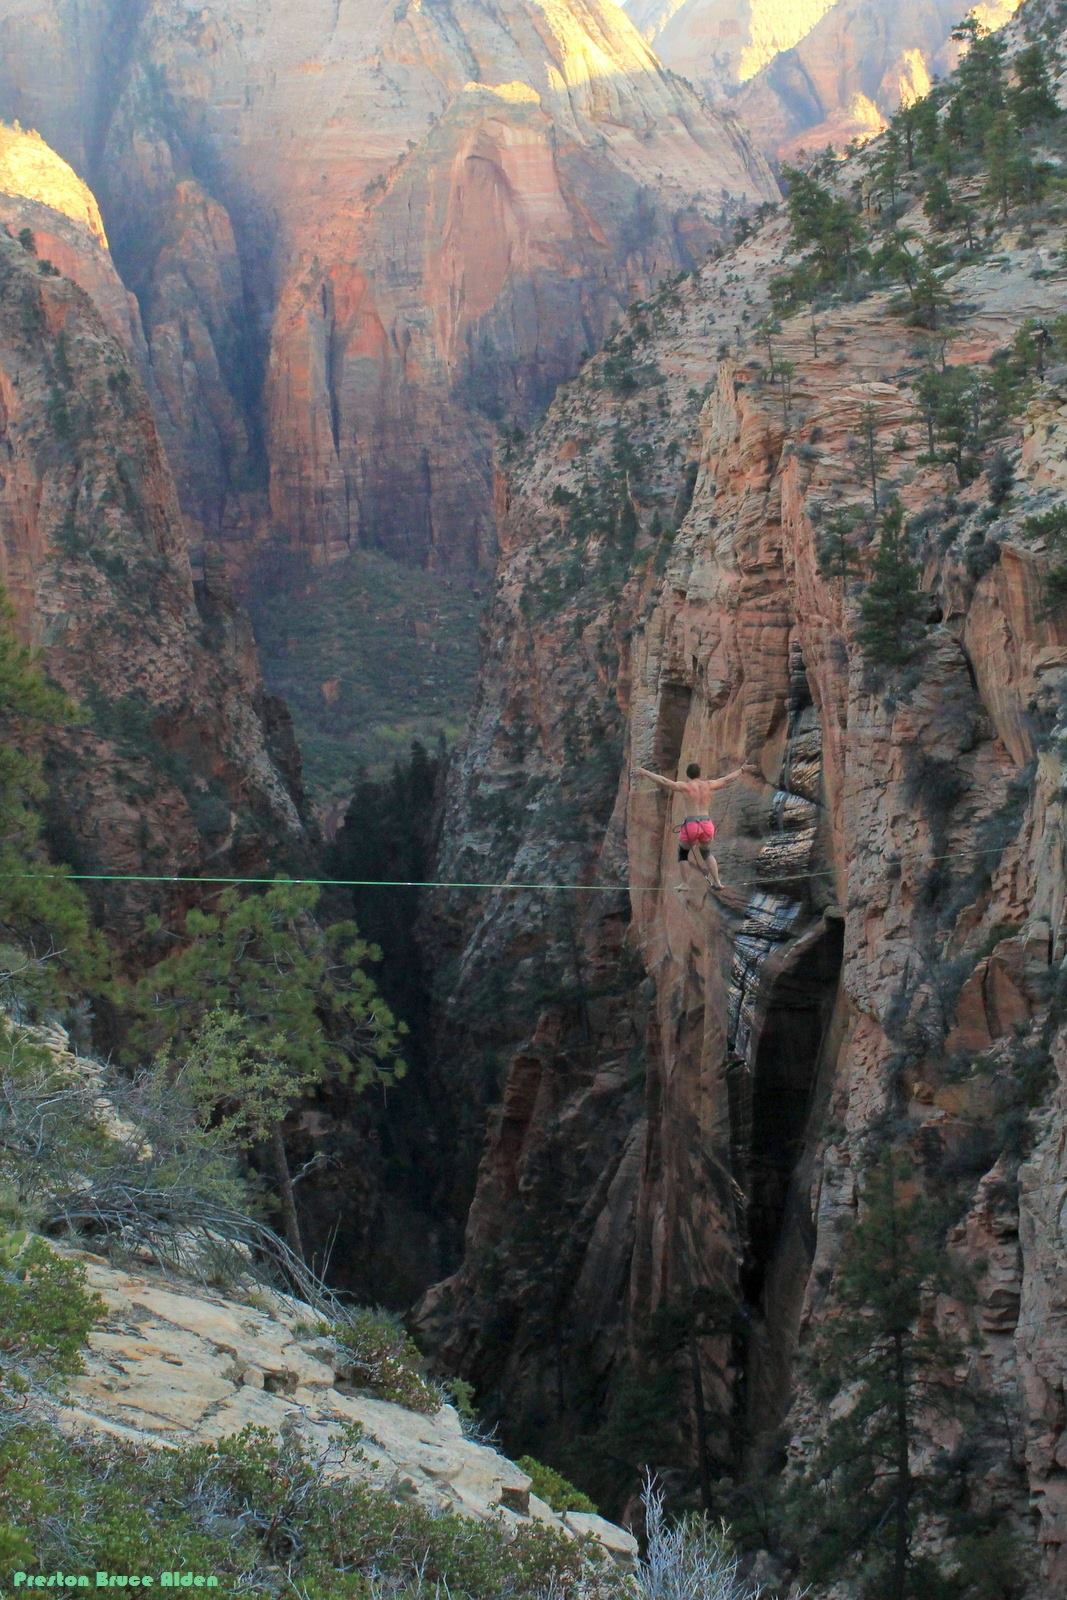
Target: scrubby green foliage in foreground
(45, 1315)
(261, 1513)
(263, 1006)
(386, 1360)
(266, 1516)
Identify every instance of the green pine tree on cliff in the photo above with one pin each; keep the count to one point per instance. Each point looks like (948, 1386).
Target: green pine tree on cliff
(880, 1356)
(267, 1005)
(893, 605)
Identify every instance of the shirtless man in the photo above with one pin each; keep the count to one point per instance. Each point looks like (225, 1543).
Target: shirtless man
(698, 830)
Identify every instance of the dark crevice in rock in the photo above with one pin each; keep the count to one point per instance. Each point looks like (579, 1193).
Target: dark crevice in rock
(787, 1058)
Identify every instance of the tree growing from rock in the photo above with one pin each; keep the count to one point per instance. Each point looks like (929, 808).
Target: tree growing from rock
(881, 1359)
(838, 555)
(893, 604)
(45, 933)
(1032, 98)
(268, 1006)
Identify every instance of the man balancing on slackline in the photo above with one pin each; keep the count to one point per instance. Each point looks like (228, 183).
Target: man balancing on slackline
(698, 830)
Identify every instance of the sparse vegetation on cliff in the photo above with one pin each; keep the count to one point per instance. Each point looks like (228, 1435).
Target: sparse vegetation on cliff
(48, 944)
(881, 1356)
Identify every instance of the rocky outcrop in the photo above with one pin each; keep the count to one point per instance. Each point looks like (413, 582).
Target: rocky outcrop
(178, 763)
(361, 241)
(719, 44)
(683, 1126)
(172, 1364)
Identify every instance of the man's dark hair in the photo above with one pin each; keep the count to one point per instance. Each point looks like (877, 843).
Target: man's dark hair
(693, 770)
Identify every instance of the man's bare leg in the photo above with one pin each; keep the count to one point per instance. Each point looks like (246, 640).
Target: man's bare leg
(693, 859)
(711, 871)
(696, 861)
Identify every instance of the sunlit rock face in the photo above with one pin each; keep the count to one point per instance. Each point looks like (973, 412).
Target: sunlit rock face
(363, 233)
(810, 72)
(719, 44)
(30, 168)
(177, 738)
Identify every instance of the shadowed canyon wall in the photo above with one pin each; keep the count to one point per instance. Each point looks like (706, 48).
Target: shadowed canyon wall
(680, 1089)
(362, 235)
(181, 762)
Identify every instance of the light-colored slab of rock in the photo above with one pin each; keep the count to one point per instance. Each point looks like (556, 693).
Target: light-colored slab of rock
(172, 1364)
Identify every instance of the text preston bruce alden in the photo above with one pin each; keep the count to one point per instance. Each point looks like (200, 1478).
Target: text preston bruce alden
(114, 1580)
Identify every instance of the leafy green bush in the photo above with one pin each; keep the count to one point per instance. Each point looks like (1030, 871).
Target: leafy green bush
(45, 1314)
(385, 1360)
(553, 1488)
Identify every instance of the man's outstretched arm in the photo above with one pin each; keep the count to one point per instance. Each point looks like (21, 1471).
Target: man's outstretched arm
(664, 783)
(720, 783)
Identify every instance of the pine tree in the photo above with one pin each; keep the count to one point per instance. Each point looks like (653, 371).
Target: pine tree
(823, 220)
(979, 95)
(856, 1507)
(953, 407)
(939, 204)
(1011, 174)
(919, 129)
(302, 995)
(866, 448)
(893, 604)
(929, 297)
(44, 919)
(887, 168)
(838, 556)
(1032, 99)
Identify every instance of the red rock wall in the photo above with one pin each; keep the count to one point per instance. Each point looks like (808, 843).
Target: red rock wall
(178, 763)
(893, 925)
(360, 240)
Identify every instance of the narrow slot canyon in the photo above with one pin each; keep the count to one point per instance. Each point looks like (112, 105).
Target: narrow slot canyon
(780, 1106)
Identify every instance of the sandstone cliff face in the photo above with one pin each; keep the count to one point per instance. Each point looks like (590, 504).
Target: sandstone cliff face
(719, 44)
(889, 954)
(174, 1361)
(361, 233)
(178, 738)
(825, 71)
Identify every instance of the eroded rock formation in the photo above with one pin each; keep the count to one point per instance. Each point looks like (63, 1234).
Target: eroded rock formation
(180, 760)
(887, 961)
(822, 72)
(361, 234)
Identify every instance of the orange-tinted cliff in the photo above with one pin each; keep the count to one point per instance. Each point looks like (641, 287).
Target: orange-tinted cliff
(363, 233)
(181, 763)
(681, 1091)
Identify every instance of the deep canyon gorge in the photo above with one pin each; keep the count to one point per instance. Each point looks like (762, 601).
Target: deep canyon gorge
(465, 355)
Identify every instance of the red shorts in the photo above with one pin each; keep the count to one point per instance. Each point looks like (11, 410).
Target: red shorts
(696, 830)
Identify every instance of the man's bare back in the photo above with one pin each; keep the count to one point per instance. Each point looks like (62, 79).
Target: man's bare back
(699, 792)
(697, 832)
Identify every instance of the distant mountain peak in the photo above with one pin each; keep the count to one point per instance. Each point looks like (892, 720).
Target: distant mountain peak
(810, 71)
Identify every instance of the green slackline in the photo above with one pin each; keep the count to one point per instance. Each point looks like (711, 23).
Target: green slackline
(432, 883)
